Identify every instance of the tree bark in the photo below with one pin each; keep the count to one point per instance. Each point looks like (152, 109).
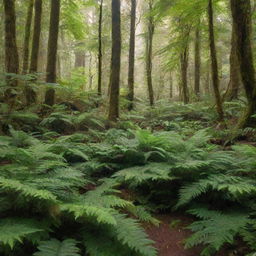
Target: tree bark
(130, 95)
(29, 92)
(235, 74)
(197, 62)
(36, 36)
(115, 62)
(149, 51)
(184, 74)
(100, 49)
(241, 13)
(52, 51)
(11, 51)
(214, 62)
(171, 86)
(90, 71)
(27, 36)
(80, 59)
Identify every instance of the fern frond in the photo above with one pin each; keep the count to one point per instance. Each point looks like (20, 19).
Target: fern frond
(235, 186)
(101, 214)
(55, 247)
(215, 229)
(130, 233)
(140, 174)
(26, 190)
(15, 230)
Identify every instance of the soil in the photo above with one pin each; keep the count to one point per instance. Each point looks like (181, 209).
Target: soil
(169, 238)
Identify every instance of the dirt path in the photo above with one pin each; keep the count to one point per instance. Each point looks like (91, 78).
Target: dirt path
(169, 238)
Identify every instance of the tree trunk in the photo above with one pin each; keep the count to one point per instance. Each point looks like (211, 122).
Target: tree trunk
(149, 49)
(241, 13)
(100, 49)
(235, 74)
(197, 62)
(52, 51)
(11, 51)
(171, 86)
(215, 74)
(207, 78)
(30, 93)
(130, 95)
(184, 76)
(80, 59)
(90, 71)
(115, 62)
(27, 36)
(36, 36)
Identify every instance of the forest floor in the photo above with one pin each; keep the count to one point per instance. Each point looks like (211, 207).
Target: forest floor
(169, 236)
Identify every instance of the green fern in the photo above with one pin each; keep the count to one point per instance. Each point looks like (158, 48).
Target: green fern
(140, 174)
(12, 185)
(215, 229)
(101, 214)
(15, 230)
(237, 187)
(55, 247)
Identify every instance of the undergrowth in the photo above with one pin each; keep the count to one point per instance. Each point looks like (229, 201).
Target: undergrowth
(64, 180)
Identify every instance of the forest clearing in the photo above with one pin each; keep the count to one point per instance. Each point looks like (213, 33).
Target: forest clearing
(127, 128)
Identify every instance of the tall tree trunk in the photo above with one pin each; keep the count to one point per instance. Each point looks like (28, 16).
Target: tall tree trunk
(29, 92)
(149, 51)
(130, 95)
(184, 74)
(52, 50)
(11, 51)
(27, 36)
(171, 86)
(100, 48)
(207, 78)
(235, 74)
(215, 74)
(197, 62)
(80, 59)
(90, 71)
(115, 62)
(241, 13)
(36, 36)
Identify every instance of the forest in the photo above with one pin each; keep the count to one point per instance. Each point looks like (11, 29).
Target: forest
(127, 128)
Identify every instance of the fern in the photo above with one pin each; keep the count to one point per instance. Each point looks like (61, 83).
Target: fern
(15, 230)
(215, 229)
(127, 232)
(237, 187)
(55, 247)
(26, 190)
(141, 174)
(101, 214)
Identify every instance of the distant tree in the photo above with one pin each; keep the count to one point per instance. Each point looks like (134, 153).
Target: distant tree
(11, 51)
(215, 73)
(184, 54)
(131, 56)
(115, 62)
(30, 93)
(27, 36)
(100, 48)
(36, 36)
(241, 13)
(149, 52)
(171, 85)
(52, 50)
(235, 74)
(197, 62)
